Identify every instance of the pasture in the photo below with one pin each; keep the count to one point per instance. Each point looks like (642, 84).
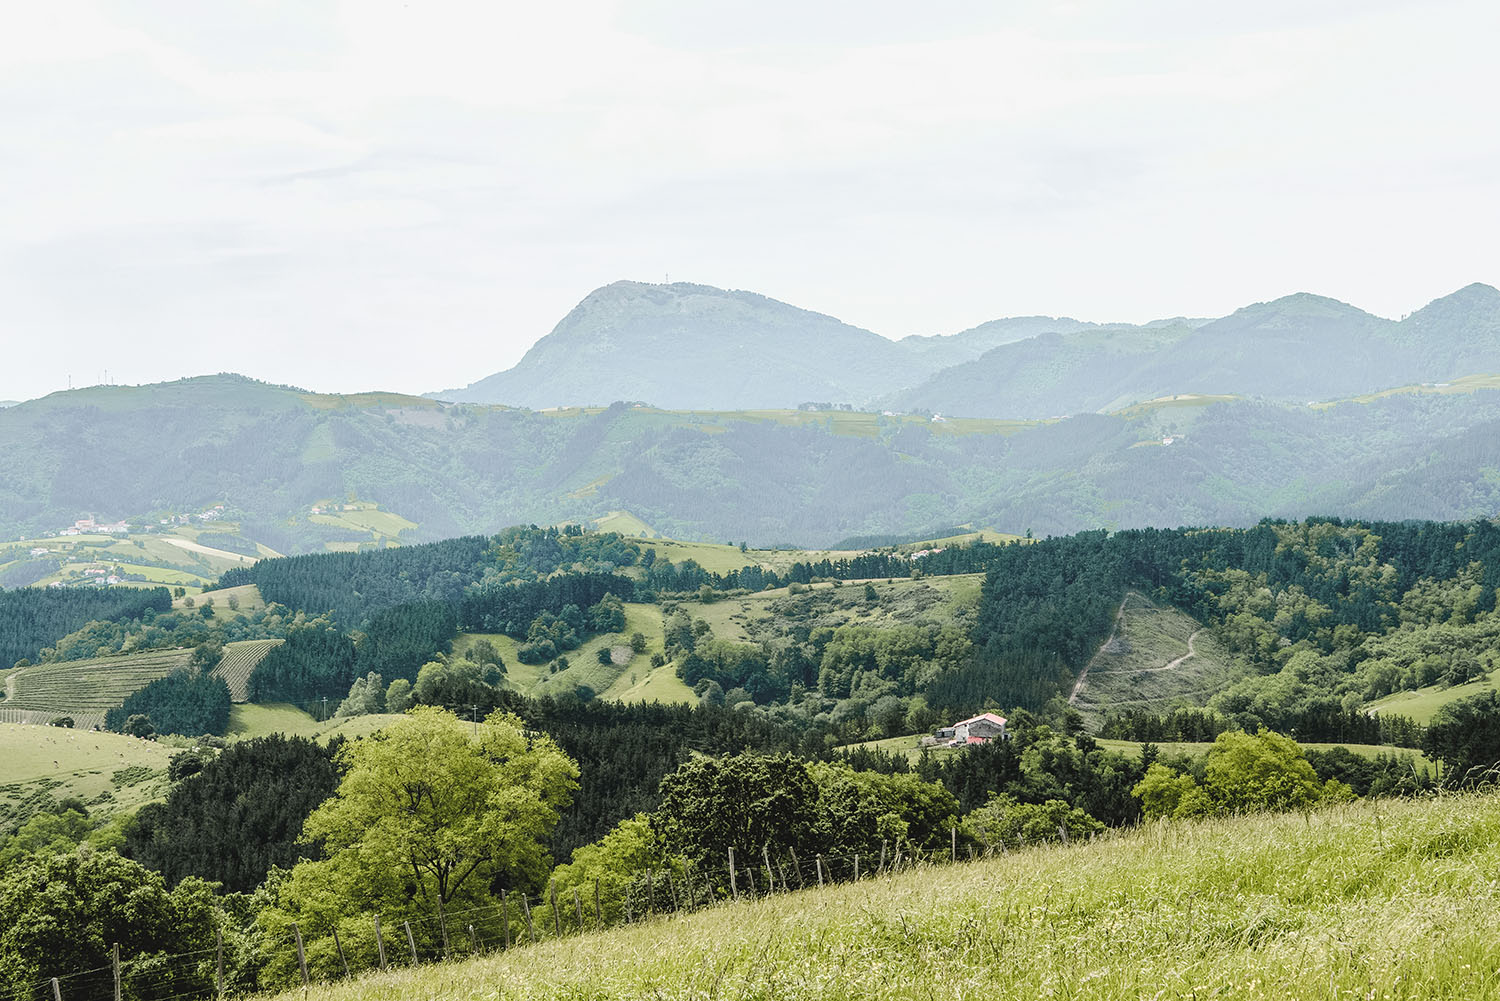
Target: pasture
(1390, 900)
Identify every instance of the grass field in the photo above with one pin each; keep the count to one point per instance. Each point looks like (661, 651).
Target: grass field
(363, 516)
(253, 720)
(80, 763)
(190, 565)
(1133, 748)
(1466, 384)
(910, 745)
(1421, 704)
(1373, 900)
(246, 596)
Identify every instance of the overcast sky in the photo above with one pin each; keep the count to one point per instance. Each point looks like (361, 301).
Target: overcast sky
(405, 195)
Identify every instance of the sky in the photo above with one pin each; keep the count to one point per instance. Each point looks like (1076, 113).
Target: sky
(404, 196)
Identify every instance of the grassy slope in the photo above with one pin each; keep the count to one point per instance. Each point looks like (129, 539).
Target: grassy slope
(251, 720)
(85, 689)
(1371, 900)
(1131, 670)
(1421, 704)
(192, 566)
(81, 763)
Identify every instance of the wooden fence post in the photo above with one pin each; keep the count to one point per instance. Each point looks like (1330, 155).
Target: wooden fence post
(692, 891)
(750, 876)
(56, 990)
(340, 947)
(734, 884)
(856, 866)
(505, 918)
(820, 870)
(218, 965)
(411, 943)
(765, 853)
(380, 944)
(301, 955)
(114, 961)
(556, 917)
(474, 942)
(953, 854)
(672, 889)
(797, 867)
(526, 910)
(1063, 831)
(578, 908)
(881, 871)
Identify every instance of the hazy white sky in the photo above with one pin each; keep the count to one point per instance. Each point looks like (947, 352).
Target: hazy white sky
(405, 195)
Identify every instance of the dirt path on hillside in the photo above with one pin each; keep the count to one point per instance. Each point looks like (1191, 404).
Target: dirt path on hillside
(1081, 683)
(1083, 676)
(1169, 666)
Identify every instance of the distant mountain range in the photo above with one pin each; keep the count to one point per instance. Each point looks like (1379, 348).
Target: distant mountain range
(686, 346)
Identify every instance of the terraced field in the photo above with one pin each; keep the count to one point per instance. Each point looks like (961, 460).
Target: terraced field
(238, 661)
(85, 689)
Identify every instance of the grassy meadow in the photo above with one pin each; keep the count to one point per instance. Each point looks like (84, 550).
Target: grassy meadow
(1371, 900)
(108, 771)
(256, 720)
(1421, 704)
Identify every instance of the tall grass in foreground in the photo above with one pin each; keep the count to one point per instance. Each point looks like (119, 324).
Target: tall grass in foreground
(1369, 900)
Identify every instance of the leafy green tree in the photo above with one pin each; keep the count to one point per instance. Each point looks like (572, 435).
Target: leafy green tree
(206, 655)
(745, 802)
(615, 861)
(860, 810)
(1003, 820)
(428, 815)
(138, 725)
(1166, 794)
(1263, 771)
(63, 913)
(366, 696)
(398, 697)
(1242, 773)
(1465, 735)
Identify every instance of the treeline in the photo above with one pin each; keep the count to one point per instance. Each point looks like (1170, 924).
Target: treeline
(1319, 725)
(31, 619)
(185, 701)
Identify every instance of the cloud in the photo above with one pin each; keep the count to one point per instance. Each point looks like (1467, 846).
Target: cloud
(381, 193)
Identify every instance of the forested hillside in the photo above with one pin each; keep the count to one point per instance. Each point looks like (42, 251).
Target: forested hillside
(271, 455)
(792, 684)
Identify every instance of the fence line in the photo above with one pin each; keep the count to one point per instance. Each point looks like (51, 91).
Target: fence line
(656, 893)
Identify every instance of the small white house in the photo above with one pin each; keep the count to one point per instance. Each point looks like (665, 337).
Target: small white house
(979, 729)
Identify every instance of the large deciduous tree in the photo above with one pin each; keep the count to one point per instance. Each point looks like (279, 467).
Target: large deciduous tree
(433, 811)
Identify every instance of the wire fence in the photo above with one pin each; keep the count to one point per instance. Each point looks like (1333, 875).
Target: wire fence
(347, 945)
